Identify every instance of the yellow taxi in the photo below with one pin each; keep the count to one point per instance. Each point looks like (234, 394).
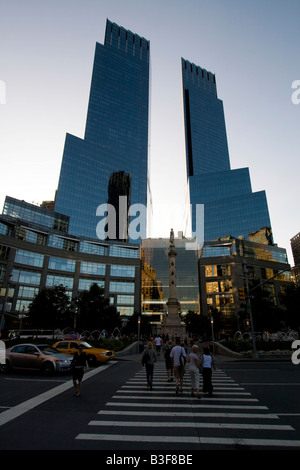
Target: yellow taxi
(94, 355)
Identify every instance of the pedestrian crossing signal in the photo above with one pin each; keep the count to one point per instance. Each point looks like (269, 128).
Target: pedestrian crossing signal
(242, 295)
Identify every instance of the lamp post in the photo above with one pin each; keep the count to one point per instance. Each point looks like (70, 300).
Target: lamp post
(249, 310)
(212, 332)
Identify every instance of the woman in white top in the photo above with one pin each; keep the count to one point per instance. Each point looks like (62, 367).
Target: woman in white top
(207, 363)
(194, 363)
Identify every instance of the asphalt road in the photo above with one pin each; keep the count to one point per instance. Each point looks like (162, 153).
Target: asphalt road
(255, 407)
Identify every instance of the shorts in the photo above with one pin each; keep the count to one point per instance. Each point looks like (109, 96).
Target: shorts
(179, 371)
(78, 373)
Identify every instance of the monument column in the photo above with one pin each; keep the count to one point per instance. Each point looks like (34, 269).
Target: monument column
(172, 322)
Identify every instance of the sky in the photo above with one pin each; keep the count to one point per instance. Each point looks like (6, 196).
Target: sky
(46, 59)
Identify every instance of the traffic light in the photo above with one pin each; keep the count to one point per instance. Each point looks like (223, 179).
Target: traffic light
(242, 295)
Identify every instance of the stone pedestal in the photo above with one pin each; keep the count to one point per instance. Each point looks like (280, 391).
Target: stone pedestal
(172, 325)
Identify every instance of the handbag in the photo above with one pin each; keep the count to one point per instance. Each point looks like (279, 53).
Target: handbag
(182, 360)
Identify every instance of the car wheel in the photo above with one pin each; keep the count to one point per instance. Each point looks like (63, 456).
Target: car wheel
(5, 367)
(48, 368)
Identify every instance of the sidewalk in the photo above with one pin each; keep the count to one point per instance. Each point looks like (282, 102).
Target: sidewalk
(131, 354)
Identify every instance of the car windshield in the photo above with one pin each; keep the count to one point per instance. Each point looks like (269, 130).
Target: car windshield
(45, 349)
(85, 344)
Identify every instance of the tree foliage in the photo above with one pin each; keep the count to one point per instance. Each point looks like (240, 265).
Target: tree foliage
(94, 312)
(50, 308)
(90, 310)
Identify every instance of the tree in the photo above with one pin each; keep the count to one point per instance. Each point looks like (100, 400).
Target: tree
(94, 312)
(266, 315)
(132, 325)
(50, 308)
(290, 298)
(197, 324)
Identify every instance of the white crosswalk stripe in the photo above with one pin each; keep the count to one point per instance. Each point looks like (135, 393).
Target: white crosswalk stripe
(231, 418)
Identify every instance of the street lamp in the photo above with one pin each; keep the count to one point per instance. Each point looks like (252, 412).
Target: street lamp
(249, 311)
(212, 332)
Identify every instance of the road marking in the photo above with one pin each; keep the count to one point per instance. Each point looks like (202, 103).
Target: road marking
(191, 440)
(130, 401)
(28, 405)
(268, 383)
(188, 414)
(150, 424)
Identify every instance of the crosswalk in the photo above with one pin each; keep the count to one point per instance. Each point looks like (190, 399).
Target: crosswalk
(231, 419)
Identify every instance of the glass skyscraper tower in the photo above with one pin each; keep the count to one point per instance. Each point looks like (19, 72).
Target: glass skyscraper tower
(230, 206)
(112, 159)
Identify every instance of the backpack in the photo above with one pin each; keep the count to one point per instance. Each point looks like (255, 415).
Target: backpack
(146, 357)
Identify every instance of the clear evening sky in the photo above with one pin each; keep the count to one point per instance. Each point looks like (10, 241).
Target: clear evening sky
(46, 58)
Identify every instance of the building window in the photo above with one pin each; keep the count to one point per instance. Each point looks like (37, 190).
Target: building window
(26, 292)
(92, 268)
(61, 264)
(125, 299)
(26, 277)
(122, 271)
(212, 287)
(4, 252)
(85, 284)
(122, 287)
(125, 310)
(63, 243)
(56, 280)
(93, 248)
(217, 270)
(123, 252)
(29, 258)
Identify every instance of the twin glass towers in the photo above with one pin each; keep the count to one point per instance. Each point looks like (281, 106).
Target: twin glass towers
(111, 163)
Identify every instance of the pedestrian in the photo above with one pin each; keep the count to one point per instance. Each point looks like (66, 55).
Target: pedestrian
(79, 364)
(178, 358)
(168, 362)
(194, 364)
(207, 363)
(158, 344)
(148, 360)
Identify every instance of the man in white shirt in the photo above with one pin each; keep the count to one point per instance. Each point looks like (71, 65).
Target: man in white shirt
(176, 354)
(158, 344)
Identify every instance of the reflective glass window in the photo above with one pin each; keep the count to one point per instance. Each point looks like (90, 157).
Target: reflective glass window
(115, 286)
(85, 284)
(92, 268)
(26, 277)
(125, 299)
(122, 271)
(61, 264)
(125, 310)
(29, 258)
(56, 280)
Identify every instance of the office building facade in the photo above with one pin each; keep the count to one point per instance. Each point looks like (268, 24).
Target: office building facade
(155, 276)
(230, 206)
(222, 277)
(34, 254)
(115, 141)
